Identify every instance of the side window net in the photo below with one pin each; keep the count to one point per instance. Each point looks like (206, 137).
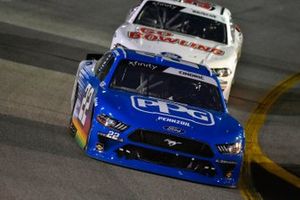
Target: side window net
(104, 65)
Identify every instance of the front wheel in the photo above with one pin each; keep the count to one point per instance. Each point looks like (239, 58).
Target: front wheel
(71, 129)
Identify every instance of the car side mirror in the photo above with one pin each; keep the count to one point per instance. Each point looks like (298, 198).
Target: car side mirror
(238, 28)
(93, 56)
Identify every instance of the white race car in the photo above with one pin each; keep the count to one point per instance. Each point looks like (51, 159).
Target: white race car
(192, 30)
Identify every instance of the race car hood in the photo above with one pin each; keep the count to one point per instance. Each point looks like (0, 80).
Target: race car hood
(189, 48)
(140, 112)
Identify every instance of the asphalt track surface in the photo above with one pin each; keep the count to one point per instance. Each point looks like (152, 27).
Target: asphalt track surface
(41, 44)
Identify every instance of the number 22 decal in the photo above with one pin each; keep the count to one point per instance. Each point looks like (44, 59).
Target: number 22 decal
(113, 135)
(86, 104)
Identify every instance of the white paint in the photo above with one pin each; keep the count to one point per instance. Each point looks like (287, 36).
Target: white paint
(165, 108)
(228, 60)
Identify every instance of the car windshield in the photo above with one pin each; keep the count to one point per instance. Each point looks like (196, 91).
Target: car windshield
(167, 83)
(179, 19)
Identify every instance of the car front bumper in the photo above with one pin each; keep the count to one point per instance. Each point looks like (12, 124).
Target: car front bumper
(220, 170)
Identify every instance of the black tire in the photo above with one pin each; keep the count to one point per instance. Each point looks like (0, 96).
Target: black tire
(72, 129)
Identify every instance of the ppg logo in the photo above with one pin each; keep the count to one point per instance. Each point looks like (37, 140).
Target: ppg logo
(167, 108)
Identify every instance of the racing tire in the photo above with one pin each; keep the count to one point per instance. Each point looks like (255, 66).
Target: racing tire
(71, 129)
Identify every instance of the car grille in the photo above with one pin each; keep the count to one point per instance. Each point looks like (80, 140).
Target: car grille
(172, 143)
(167, 159)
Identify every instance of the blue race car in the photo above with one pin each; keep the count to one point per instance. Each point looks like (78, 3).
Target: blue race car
(156, 113)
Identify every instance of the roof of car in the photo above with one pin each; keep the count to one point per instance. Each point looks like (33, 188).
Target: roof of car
(165, 60)
(211, 9)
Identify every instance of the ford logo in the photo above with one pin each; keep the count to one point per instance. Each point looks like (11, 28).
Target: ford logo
(173, 129)
(172, 56)
(172, 143)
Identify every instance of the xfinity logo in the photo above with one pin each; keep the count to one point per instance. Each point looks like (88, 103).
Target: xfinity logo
(144, 65)
(172, 143)
(171, 109)
(164, 5)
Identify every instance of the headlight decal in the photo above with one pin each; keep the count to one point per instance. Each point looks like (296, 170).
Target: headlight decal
(111, 123)
(222, 72)
(234, 148)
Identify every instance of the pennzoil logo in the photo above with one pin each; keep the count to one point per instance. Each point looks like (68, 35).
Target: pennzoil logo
(168, 37)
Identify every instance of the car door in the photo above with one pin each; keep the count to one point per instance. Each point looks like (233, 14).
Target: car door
(89, 79)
